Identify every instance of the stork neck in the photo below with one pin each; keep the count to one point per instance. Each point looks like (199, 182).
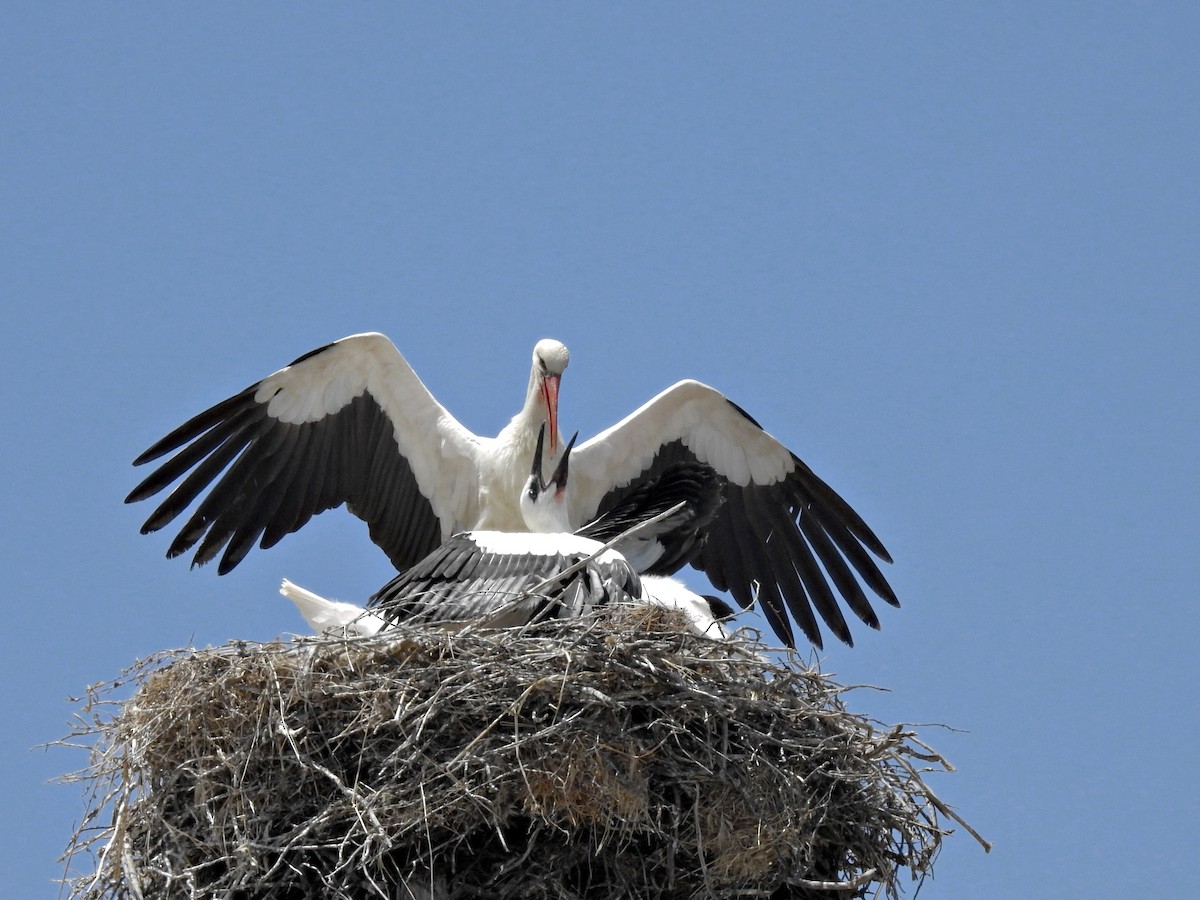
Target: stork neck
(534, 410)
(521, 432)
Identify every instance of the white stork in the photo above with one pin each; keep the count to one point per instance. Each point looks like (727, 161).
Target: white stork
(504, 579)
(351, 423)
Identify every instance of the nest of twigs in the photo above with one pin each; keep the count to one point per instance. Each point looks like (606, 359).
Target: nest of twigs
(611, 756)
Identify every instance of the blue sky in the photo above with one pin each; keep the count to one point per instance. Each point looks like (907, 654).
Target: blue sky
(946, 253)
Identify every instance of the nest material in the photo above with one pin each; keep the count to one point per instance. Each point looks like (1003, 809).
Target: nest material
(612, 756)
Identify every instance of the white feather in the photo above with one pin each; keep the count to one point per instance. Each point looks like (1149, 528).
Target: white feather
(507, 543)
(332, 617)
(700, 416)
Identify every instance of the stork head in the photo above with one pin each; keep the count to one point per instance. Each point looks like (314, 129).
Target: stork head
(544, 503)
(550, 358)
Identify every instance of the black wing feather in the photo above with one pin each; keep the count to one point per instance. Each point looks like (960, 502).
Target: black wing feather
(689, 482)
(266, 479)
(793, 568)
(192, 486)
(461, 581)
(793, 546)
(220, 414)
(238, 497)
(204, 444)
(814, 492)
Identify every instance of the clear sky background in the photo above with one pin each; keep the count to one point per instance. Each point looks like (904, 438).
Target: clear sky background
(948, 253)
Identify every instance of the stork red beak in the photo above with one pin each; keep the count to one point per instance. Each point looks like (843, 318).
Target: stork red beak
(550, 396)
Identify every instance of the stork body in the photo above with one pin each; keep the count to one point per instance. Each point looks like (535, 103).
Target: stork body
(499, 579)
(352, 423)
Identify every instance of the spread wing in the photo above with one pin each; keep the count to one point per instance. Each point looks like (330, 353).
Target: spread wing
(783, 538)
(347, 423)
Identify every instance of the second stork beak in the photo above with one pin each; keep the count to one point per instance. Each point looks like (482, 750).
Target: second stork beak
(550, 396)
(559, 478)
(536, 471)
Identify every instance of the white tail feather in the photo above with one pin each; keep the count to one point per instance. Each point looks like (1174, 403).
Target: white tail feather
(332, 617)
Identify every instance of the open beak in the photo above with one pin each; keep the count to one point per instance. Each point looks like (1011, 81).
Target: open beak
(559, 478)
(550, 397)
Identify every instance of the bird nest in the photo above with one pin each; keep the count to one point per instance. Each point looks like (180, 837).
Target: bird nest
(610, 756)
